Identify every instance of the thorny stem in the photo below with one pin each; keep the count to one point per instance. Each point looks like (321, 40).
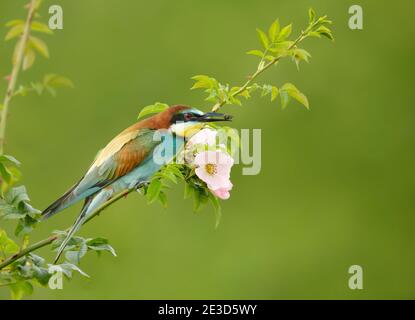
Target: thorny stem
(15, 72)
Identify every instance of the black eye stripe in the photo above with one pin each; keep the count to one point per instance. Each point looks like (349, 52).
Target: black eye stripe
(183, 117)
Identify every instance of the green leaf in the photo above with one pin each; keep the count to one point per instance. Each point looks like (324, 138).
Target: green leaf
(274, 93)
(170, 172)
(299, 55)
(20, 289)
(13, 23)
(280, 50)
(201, 197)
(285, 98)
(41, 275)
(314, 34)
(28, 59)
(293, 92)
(302, 54)
(326, 32)
(7, 245)
(154, 108)
(175, 169)
(18, 195)
(100, 244)
(96, 241)
(37, 260)
(9, 160)
(67, 269)
(196, 200)
(153, 190)
(39, 45)
(188, 190)
(76, 268)
(57, 81)
(72, 257)
(168, 175)
(163, 199)
(75, 256)
(15, 205)
(38, 87)
(266, 90)
(245, 94)
(105, 247)
(285, 33)
(311, 15)
(273, 30)
(233, 100)
(204, 82)
(14, 32)
(263, 38)
(22, 91)
(281, 46)
(216, 205)
(25, 226)
(82, 250)
(40, 27)
(300, 97)
(5, 173)
(258, 53)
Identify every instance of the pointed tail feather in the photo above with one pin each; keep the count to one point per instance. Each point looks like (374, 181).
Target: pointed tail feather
(75, 227)
(63, 202)
(91, 203)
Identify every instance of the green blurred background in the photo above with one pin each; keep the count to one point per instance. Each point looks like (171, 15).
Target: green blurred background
(337, 182)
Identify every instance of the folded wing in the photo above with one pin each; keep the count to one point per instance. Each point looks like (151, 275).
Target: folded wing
(124, 153)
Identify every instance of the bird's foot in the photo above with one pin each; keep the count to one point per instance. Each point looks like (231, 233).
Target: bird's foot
(138, 187)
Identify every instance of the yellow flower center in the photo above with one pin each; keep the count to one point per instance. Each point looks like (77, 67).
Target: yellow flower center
(211, 168)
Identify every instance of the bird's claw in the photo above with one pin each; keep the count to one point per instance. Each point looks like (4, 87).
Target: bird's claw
(141, 184)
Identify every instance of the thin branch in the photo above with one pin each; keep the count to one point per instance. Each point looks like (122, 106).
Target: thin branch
(15, 72)
(26, 251)
(260, 70)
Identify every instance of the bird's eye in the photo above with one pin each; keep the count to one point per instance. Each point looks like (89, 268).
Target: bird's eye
(188, 116)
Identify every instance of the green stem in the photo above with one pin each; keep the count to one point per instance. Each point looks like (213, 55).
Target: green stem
(15, 73)
(260, 70)
(7, 284)
(26, 251)
(49, 240)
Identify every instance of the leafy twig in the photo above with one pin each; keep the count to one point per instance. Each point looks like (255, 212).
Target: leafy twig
(262, 67)
(28, 249)
(15, 72)
(49, 240)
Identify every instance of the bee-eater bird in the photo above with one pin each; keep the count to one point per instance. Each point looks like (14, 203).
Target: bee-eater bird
(128, 160)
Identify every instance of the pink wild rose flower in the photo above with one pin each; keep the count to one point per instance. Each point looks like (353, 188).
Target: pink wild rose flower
(204, 136)
(214, 168)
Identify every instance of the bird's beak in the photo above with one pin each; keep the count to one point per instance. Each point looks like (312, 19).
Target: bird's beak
(214, 116)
